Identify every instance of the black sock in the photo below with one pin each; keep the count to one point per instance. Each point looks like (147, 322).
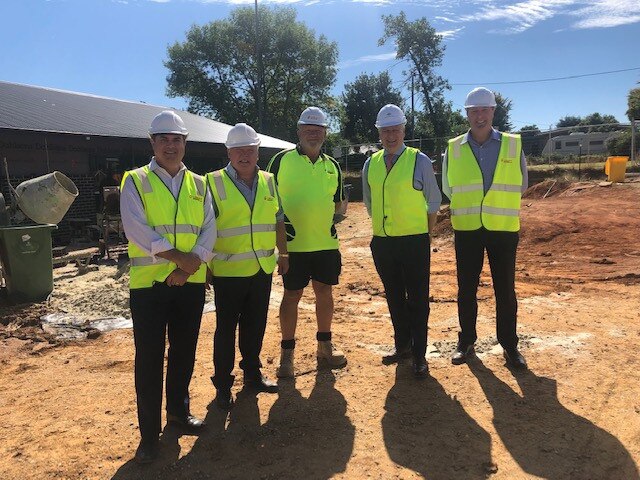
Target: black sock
(288, 344)
(323, 336)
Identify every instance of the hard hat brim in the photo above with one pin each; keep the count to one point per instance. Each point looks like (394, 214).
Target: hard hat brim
(380, 125)
(242, 144)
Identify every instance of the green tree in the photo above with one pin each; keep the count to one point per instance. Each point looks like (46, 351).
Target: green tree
(634, 104)
(620, 144)
(598, 119)
(501, 119)
(419, 44)
(529, 130)
(362, 100)
(216, 69)
(569, 121)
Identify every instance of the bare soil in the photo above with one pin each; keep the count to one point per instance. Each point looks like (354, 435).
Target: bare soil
(68, 407)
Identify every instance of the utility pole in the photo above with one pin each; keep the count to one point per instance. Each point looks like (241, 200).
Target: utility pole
(413, 121)
(260, 73)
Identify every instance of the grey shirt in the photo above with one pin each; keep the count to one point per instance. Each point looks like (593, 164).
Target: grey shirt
(249, 193)
(487, 158)
(423, 179)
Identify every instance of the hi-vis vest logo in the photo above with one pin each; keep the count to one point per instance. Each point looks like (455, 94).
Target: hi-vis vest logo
(198, 198)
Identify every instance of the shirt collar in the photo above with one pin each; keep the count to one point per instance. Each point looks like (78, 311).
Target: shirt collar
(232, 171)
(300, 152)
(495, 135)
(154, 165)
(397, 153)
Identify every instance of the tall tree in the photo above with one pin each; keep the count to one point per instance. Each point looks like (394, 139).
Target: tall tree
(419, 44)
(362, 100)
(569, 121)
(529, 130)
(634, 104)
(501, 119)
(598, 119)
(216, 68)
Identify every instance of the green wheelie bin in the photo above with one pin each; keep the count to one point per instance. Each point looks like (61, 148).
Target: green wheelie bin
(27, 265)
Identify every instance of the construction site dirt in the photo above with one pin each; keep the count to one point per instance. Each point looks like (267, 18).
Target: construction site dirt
(68, 408)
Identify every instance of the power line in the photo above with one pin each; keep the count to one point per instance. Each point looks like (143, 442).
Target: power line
(547, 79)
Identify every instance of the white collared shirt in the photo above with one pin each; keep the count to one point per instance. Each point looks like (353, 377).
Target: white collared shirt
(134, 219)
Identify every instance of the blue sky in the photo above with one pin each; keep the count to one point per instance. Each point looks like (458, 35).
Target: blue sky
(116, 48)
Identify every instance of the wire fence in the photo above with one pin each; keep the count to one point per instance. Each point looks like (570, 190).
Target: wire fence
(560, 146)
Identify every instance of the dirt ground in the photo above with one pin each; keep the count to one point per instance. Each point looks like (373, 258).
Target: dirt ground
(68, 408)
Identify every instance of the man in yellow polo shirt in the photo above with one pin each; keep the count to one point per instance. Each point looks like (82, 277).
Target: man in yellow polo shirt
(484, 174)
(168, 218)
(311, 191)
(250, 224)
(402, 196)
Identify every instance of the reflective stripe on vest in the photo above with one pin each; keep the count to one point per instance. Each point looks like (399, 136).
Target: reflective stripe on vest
(499, 209)
(246, 236)
(397, 208)
(180, 222)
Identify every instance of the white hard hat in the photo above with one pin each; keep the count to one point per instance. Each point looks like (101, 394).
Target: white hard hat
(168, 122)
(242, 135)
(480, 97)
(389, 116)
(313, 116)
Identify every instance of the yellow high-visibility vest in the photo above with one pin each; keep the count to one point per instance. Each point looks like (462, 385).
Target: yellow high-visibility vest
(246, 236)
(180, 222)
(499, 209)
(397, 208)
(307, 194)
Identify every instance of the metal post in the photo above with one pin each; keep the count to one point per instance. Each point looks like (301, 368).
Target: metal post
(550, 145)
(633, 140)
(413, 122)
(259, 79)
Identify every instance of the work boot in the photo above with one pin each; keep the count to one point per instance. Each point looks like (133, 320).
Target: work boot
(285, 370)
(328, 354)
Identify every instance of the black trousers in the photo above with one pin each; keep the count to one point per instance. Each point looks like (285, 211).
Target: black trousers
(160, 312)
(243, 302)
(501, 249)
(403, 266)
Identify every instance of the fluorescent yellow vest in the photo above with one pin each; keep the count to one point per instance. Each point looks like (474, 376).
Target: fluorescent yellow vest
(246, 236)
(178, 221)
(397, 208)
(306, 191)
(499, 209)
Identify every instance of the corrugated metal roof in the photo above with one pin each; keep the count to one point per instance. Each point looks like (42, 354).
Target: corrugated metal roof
(26, 107)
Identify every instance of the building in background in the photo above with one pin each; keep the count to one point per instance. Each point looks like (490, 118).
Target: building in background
(92, 140)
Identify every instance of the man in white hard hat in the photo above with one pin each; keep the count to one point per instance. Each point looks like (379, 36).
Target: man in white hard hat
(484, 174)
(311, 190)
(402, 197)
(168, 219)
(250, 225)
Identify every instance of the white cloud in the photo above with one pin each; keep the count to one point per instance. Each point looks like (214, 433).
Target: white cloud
(450, 33)
(383, 57)
(523, 14)
(504, 16)
(607, 14)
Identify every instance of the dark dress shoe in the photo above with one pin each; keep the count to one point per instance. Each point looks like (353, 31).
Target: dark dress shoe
(188, 422)
(261, 384)
(396, 356)
(224, 401)
(515, 359)
(420, 368)
(147, 451)
(462, 354)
